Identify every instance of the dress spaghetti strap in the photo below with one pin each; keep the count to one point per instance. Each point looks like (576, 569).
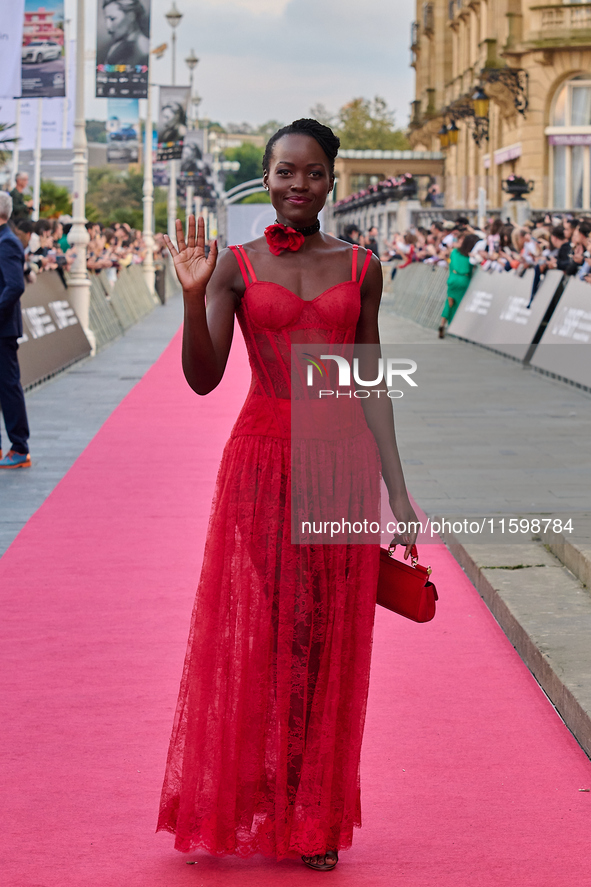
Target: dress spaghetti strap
(354, 263)
(244, 264)
(368, 255)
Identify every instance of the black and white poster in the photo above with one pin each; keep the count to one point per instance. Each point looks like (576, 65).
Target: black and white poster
(192, 163)
(122, 48)
(172, 121)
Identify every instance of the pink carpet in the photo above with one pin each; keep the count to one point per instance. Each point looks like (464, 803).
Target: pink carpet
(469, 776)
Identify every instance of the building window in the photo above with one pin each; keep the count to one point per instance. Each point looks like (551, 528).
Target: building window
(362, 180)
(569, 135)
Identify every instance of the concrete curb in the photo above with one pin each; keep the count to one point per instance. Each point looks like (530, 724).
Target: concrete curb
(577, 719)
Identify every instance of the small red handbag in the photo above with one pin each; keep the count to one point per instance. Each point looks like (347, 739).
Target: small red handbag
(406, 589)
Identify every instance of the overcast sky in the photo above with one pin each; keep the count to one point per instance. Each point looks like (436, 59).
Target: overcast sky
(275, 59)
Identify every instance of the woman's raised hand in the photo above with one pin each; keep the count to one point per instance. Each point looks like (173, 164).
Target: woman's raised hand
(193, 268)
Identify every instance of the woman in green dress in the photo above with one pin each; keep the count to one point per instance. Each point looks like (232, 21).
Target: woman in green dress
(460, 272)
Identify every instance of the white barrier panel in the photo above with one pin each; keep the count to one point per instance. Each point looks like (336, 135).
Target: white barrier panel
(565, 347)
(52, 336)
(494, 310)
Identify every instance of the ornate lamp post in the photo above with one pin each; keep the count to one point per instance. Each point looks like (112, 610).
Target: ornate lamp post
(481, 105)
(148, 191)
(173, 17)
(79, 284)
(191, 62)
(453, 133)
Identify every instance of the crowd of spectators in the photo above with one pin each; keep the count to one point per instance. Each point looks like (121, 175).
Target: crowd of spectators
(46, 241)
(552, 241)
(109, 249)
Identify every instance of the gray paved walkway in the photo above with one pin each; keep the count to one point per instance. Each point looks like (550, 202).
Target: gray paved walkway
(481, 436)
(66, 413)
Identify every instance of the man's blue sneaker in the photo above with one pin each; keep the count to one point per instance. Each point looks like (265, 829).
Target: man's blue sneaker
(16, 460)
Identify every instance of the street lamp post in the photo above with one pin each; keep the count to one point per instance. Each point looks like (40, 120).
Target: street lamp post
(148, 195)
(191, 61)
(79, 284)
(173, 17)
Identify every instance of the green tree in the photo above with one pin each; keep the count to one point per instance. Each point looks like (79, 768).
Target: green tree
(116, 196)
(267, 129)
(321, 113)
(96, 131)
(54, 200)
(250, 159)
(6, 141)
(366, 124)
(259, 197)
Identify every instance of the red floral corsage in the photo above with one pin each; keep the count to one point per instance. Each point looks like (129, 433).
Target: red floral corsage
(281, 238)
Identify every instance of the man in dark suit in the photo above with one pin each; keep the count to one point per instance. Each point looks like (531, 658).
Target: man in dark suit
(12, 286)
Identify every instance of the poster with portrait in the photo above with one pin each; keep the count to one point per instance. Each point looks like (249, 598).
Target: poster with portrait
(43, 59)
(192, 164)
(123, 131)
(122, 48)
(172, 121)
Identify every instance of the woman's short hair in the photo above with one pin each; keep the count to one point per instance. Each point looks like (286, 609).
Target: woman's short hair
(136, 7)
(517, 235)
(43, 226)
(5, 205)
(306, 126)
(468, 243)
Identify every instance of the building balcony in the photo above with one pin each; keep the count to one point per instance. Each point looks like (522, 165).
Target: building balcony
(458, 10)
(428, 18)
(555, 26)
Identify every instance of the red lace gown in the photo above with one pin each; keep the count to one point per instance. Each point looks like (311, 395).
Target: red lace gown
(264, 755)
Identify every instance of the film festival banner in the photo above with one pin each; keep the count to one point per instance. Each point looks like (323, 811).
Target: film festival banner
(172, 121)
(122, 48)
(43, 59)
(192, 163)
(123, 130)
(12, 14)
(57, 115)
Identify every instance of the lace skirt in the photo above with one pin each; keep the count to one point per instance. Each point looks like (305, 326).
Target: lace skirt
(264, 755)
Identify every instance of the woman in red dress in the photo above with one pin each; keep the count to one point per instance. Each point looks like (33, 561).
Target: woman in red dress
(264, 755)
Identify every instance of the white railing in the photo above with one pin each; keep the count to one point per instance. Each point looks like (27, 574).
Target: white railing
(568, 17)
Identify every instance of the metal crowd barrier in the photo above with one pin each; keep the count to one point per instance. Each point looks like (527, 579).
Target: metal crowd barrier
(52, 336)
(114, 309)
(417, 292)
(550, 332)
(102, 318)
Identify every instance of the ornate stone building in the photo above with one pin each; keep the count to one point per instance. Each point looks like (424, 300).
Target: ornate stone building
(532, 61)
